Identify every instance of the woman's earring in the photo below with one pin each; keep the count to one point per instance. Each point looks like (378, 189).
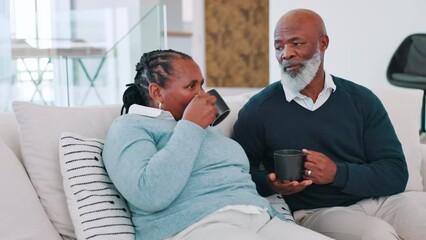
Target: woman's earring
(160, 105)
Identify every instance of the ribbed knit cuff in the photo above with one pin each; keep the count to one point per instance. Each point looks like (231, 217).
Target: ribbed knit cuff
(341, 175)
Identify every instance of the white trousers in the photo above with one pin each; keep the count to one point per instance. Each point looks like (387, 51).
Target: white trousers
(235, 225)
(400, 216)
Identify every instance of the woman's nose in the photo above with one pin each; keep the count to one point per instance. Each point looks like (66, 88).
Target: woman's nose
(201, 90)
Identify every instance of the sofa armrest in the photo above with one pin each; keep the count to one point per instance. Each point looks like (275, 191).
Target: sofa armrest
(422, 149)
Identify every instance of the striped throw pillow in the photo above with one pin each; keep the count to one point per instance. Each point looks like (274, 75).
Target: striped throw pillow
(97, 209)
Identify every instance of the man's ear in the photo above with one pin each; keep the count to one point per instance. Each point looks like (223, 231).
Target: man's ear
(155, 92)
(324, 43)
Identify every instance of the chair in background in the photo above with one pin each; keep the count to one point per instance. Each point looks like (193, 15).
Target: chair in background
(407, 67)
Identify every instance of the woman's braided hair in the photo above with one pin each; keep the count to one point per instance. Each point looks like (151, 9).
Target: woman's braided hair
(153, 67)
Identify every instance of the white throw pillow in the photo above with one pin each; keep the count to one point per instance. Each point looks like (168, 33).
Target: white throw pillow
(97, 209)
(40, 128)
(22, 215)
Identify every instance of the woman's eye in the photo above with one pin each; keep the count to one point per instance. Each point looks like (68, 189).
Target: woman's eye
(191, 86)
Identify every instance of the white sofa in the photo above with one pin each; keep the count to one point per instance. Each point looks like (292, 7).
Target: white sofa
(33, 204)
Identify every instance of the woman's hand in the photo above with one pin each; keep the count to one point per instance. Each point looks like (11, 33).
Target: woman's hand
(201, 110)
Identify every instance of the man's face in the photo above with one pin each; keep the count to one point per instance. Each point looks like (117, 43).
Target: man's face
(298, 78)
(299, 47)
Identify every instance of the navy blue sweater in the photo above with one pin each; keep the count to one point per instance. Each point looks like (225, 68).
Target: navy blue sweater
(351, 127)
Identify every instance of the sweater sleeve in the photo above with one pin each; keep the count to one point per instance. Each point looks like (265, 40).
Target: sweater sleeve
(385, 170)
(248, 132)
(149, 178)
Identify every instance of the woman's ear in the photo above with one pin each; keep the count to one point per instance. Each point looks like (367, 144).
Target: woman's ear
(155, 92)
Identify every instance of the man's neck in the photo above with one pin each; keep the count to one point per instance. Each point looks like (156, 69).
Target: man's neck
(315, 87)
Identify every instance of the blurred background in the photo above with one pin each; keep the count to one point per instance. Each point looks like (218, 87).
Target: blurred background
(80, 53)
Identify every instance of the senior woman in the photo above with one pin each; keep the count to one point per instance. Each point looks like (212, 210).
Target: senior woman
(181, 178)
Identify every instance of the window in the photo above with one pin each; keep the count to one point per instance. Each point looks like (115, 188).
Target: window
(31, 21)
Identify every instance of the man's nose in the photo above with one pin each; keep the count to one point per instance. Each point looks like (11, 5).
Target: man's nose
(287, 53)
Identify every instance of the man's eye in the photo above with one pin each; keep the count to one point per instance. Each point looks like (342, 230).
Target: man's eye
(278, 48)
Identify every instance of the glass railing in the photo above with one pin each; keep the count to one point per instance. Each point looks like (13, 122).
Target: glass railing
(88, 62)
(7, 71)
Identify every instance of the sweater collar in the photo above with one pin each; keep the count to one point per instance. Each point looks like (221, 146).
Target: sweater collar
(150, 112)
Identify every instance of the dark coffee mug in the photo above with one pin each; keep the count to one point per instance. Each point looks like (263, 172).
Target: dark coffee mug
(289, 164)
(222, 109)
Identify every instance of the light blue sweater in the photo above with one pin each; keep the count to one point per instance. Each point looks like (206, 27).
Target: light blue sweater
(174, 173)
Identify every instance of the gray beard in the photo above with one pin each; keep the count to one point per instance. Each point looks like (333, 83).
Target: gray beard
(297, 81)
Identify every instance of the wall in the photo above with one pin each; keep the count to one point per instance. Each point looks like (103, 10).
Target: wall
(135, 9)
(179, 32)
(363, 34)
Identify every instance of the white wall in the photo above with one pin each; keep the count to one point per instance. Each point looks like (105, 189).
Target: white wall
(363, 34)
(193, 45)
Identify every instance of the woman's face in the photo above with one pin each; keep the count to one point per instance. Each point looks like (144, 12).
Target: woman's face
(186, 82)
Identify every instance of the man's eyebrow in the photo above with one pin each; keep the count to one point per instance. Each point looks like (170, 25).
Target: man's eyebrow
(288, 40)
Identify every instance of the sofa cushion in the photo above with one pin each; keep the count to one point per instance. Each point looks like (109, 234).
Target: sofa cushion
(40, 128)
(22, 215)
(423, 164)
(9, 132)
(235, 103)
(96, 207)
(403, 107)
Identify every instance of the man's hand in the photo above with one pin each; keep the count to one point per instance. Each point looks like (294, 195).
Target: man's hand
(287, 187)
(319, 168)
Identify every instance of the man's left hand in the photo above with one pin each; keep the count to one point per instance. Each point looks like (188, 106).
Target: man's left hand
(319, 168)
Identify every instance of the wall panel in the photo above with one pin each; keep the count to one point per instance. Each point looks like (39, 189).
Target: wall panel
(237, 40)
